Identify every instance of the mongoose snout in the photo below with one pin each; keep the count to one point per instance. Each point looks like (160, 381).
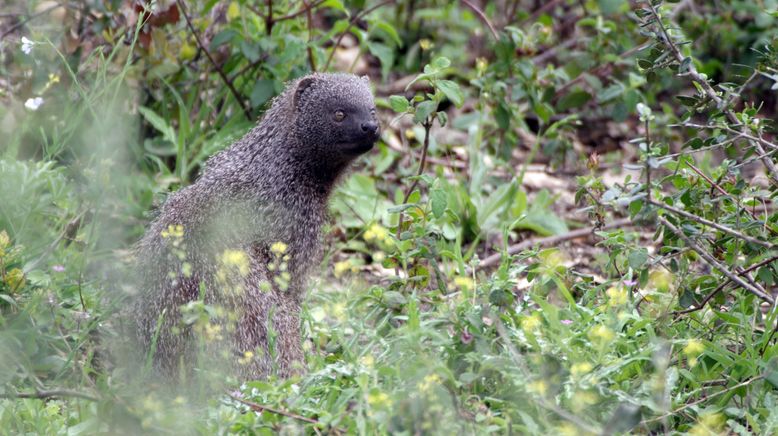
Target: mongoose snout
(245, 236)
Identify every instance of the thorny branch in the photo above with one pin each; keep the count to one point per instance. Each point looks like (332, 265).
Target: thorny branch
(710, 260)
(711, 93)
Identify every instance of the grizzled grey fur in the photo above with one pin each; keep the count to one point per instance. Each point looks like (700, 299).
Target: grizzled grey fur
(270, 186)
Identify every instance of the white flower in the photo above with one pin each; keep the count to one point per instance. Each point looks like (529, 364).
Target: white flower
(33, 103)
(27, 45)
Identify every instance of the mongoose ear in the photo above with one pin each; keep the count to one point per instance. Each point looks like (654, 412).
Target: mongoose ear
(302, 86)
(366, 79)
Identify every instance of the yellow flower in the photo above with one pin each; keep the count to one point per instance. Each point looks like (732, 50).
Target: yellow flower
(5, 241)
(233, 11)
(173, 231)
(708, 424)
(247, 356)
(376, 231)
(338, 310)
(581, 368)
(187, 51)
(464, 283)
(583, 399)
(693, 347)
(531, 323)
(692, 350)
(601, 334)
(213, 332)
(341, 268)
(425, 44)
(15, 279)
(367, 360)
(237, 259)
(278, 248)
(539, 387)
(616, 296)
(481, 64)
(660, 279)
(377, 399)
(426, 384)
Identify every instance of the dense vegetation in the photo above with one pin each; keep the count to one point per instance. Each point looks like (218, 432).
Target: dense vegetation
(570, 225)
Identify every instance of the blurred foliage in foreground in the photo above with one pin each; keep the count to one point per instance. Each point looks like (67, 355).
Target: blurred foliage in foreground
(424, 320)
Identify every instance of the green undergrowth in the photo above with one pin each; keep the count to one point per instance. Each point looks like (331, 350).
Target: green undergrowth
(422, 319)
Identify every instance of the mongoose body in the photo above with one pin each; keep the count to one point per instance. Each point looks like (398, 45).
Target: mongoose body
(244, 237)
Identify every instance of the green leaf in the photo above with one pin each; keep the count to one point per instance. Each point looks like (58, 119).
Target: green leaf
(573, 100)
(637, 258)
(440, 63)
(543, 111)
(384, 53)
(394, 299)
(168, 133)
(399, 103)
(438, 202)
(452, 91)
(686, 100)
(424, 110)
(262, 91)
(389, 30)
(221, 38)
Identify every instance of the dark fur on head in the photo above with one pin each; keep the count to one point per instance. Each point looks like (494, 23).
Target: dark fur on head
(270, 186)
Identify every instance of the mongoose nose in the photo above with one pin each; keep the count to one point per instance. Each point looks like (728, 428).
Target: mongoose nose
(370, 127)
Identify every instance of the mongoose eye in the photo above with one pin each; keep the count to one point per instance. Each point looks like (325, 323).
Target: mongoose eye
(339, 115)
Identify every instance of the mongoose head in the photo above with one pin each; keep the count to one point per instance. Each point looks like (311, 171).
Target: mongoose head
(335, 115)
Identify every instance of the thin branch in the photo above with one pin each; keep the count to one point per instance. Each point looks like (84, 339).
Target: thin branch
(351, 22)
(709, 91)
(30, 18)
(721, 287)
(710, 260)
(427, 127)
(552, 240)
(225, 79)
(713, 224)
(721, 190)
(483, 18)
(309, 16)
(702, 400)
(54, 393)
(261, 408)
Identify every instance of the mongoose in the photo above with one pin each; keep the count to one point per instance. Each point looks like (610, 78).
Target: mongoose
(244, 237)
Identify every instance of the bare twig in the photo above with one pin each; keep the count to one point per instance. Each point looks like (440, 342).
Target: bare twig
(54, 393)
(225, 79)
(483, 18)
(309, 16)
(261, 408)
(551, 240)
(269, 18)
(721, 287)
(710, 260)
(708, 89)
(351, 22)
(713, 224)
(30, 18)
(702, 400)
(720, 189)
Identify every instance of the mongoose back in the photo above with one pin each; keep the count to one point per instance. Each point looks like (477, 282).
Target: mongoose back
(244, 237)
